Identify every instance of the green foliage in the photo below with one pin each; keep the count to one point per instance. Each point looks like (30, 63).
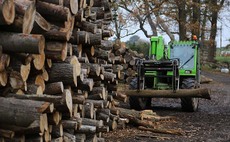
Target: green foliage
(139, 45)
(223, 59)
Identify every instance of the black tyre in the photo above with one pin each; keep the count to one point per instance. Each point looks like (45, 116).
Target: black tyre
(138, 103)
(189, 104)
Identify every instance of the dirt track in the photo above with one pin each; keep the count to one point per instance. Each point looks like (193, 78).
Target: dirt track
(210, 124)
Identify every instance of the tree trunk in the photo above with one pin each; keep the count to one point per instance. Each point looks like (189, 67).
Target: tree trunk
(57, 131)
(86, 84)
(53, 12)
(92, 122)
(105, 45)
(94, 39)
(22, 43)
(16, 81)
(71, 124)
(54, 118)
(194, 93)
(26, 112)
(56, 50)
(108, 76)
(57, 2)
(58, 33)
(65, 99)
(87, 26)
(54, 88)
(212, 38)
(34, 89)
(4, 61)
(99, 12)
(196, 18)
(79, 37)
(80, 15)
(87, 129)
(63, 72)
(89, 110)
(27, 10)
(182, 20)
(97, 103)
(18, 66)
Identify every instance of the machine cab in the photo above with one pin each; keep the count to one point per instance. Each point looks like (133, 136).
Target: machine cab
(187, 53)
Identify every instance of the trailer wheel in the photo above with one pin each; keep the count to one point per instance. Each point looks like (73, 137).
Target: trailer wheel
(138, 103)
(189, 104)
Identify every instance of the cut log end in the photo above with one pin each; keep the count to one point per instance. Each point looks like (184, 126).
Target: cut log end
(42, 22)
(24, 71)
(29, 18)
(8, 11)
(74, 6)
(39, 61)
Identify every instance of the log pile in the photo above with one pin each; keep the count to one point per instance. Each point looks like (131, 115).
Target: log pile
(58, 72)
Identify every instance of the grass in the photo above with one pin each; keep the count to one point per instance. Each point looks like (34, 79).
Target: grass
(223, 59)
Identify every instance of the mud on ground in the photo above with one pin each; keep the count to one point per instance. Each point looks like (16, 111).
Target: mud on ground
(210, 124)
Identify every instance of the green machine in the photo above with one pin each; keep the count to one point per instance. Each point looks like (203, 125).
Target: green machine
(172, 67)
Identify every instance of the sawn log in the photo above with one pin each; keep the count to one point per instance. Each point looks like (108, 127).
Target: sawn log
(194, 93)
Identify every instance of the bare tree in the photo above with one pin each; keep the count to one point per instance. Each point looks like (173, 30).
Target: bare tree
(175, 17)
(215, 6)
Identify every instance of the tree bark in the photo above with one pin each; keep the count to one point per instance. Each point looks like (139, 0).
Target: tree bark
(34, 89)
(99, 12)
(54, 88)
(79, 37)
(97, 103)
(92, 122)
(18, 66)
(105, 45)
(58, 33)
(71, 124)
(4, 61)
(16, 81)
(94, 39)
(62, 100)
(26, 112)
(56, 50)
(27, 10)
(57, 2)
(52, 12)
(22, 43)
(57, 131)
(182, 20)
(87, 26)
(86, 84)
(63, 72)
(87, 129)
(89, 110)
(198, 93)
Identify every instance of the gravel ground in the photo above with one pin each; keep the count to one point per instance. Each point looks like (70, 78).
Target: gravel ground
(210, 124)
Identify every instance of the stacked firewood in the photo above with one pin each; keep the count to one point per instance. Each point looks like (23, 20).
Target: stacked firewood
(58, 72)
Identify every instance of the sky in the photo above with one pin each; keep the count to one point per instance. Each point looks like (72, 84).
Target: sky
(225, 35)
(225, 19)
